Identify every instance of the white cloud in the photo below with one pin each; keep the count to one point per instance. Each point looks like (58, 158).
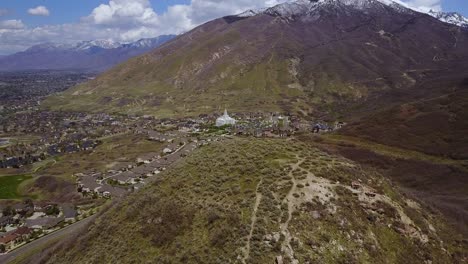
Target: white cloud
(130, 20)
(425, 5)
(11, 24)
(39, 11)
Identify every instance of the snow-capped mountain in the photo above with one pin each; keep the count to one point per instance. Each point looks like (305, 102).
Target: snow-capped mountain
(104, 44)
(451, 18)
(298, 8)
(148, 42)
(95, 55)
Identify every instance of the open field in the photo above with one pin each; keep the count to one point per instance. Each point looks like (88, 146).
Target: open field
(9, 186)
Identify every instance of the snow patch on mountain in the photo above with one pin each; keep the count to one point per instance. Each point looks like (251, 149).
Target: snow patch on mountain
(451, 18)
(306, 7)
(104, 44)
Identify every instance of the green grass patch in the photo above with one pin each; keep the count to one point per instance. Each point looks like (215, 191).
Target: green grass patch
(9, 186)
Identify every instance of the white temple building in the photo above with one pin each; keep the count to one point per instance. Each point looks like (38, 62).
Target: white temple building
(225, 120)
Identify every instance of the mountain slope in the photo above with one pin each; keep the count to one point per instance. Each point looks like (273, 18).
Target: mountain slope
(98, 55)
(306, 57)
(257, 201)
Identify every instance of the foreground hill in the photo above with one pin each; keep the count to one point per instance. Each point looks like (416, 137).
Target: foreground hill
(92, 56)
(309, 57)
(257, 201)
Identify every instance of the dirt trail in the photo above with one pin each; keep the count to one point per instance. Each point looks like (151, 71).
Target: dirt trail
(286, 247)
(258, 199)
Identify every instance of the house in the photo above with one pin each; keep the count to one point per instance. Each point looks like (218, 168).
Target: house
(8, 241)
(144, 171)
(87, 184)
(124, 166)
(39, 206)
(147, 158)
(44, 222)
(107, 191)
(125, 177)
(21, 208)
(22, 233)
(69, 212)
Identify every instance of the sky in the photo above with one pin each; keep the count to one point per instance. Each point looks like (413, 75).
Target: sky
(24, 23)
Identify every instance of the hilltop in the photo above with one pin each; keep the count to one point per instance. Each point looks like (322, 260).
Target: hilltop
(261, 200)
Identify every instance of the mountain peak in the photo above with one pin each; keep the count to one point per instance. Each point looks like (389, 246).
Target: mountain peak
(307, 7)
(299, 8)
(450, 17)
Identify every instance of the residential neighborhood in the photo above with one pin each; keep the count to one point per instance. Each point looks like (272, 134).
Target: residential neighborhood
(57, 134)
(23, 222)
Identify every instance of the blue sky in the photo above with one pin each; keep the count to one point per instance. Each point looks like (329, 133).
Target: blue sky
(460, 6)
(65, 11)
(24, 23)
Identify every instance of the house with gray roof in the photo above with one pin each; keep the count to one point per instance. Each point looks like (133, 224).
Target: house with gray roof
(44, 222)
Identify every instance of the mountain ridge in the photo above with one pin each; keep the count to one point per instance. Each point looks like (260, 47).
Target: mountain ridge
(94, 55)
(447, 17)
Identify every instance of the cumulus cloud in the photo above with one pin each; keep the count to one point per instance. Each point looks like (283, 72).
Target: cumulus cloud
(39, 11)
(130, 20)
(140, 19)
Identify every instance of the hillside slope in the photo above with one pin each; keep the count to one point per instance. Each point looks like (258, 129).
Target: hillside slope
(257, 201)
(305, 57)
(436, 126)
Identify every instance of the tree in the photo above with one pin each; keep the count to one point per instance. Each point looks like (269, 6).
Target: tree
(8, 211)
(29, 202)
(52, 210)
(2, 248)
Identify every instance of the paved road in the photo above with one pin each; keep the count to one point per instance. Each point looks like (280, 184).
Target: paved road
(44, 240)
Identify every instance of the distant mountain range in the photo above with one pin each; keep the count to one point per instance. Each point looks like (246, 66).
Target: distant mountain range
(96, 55)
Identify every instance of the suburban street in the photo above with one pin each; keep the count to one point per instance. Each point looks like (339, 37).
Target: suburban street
(44, 240)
